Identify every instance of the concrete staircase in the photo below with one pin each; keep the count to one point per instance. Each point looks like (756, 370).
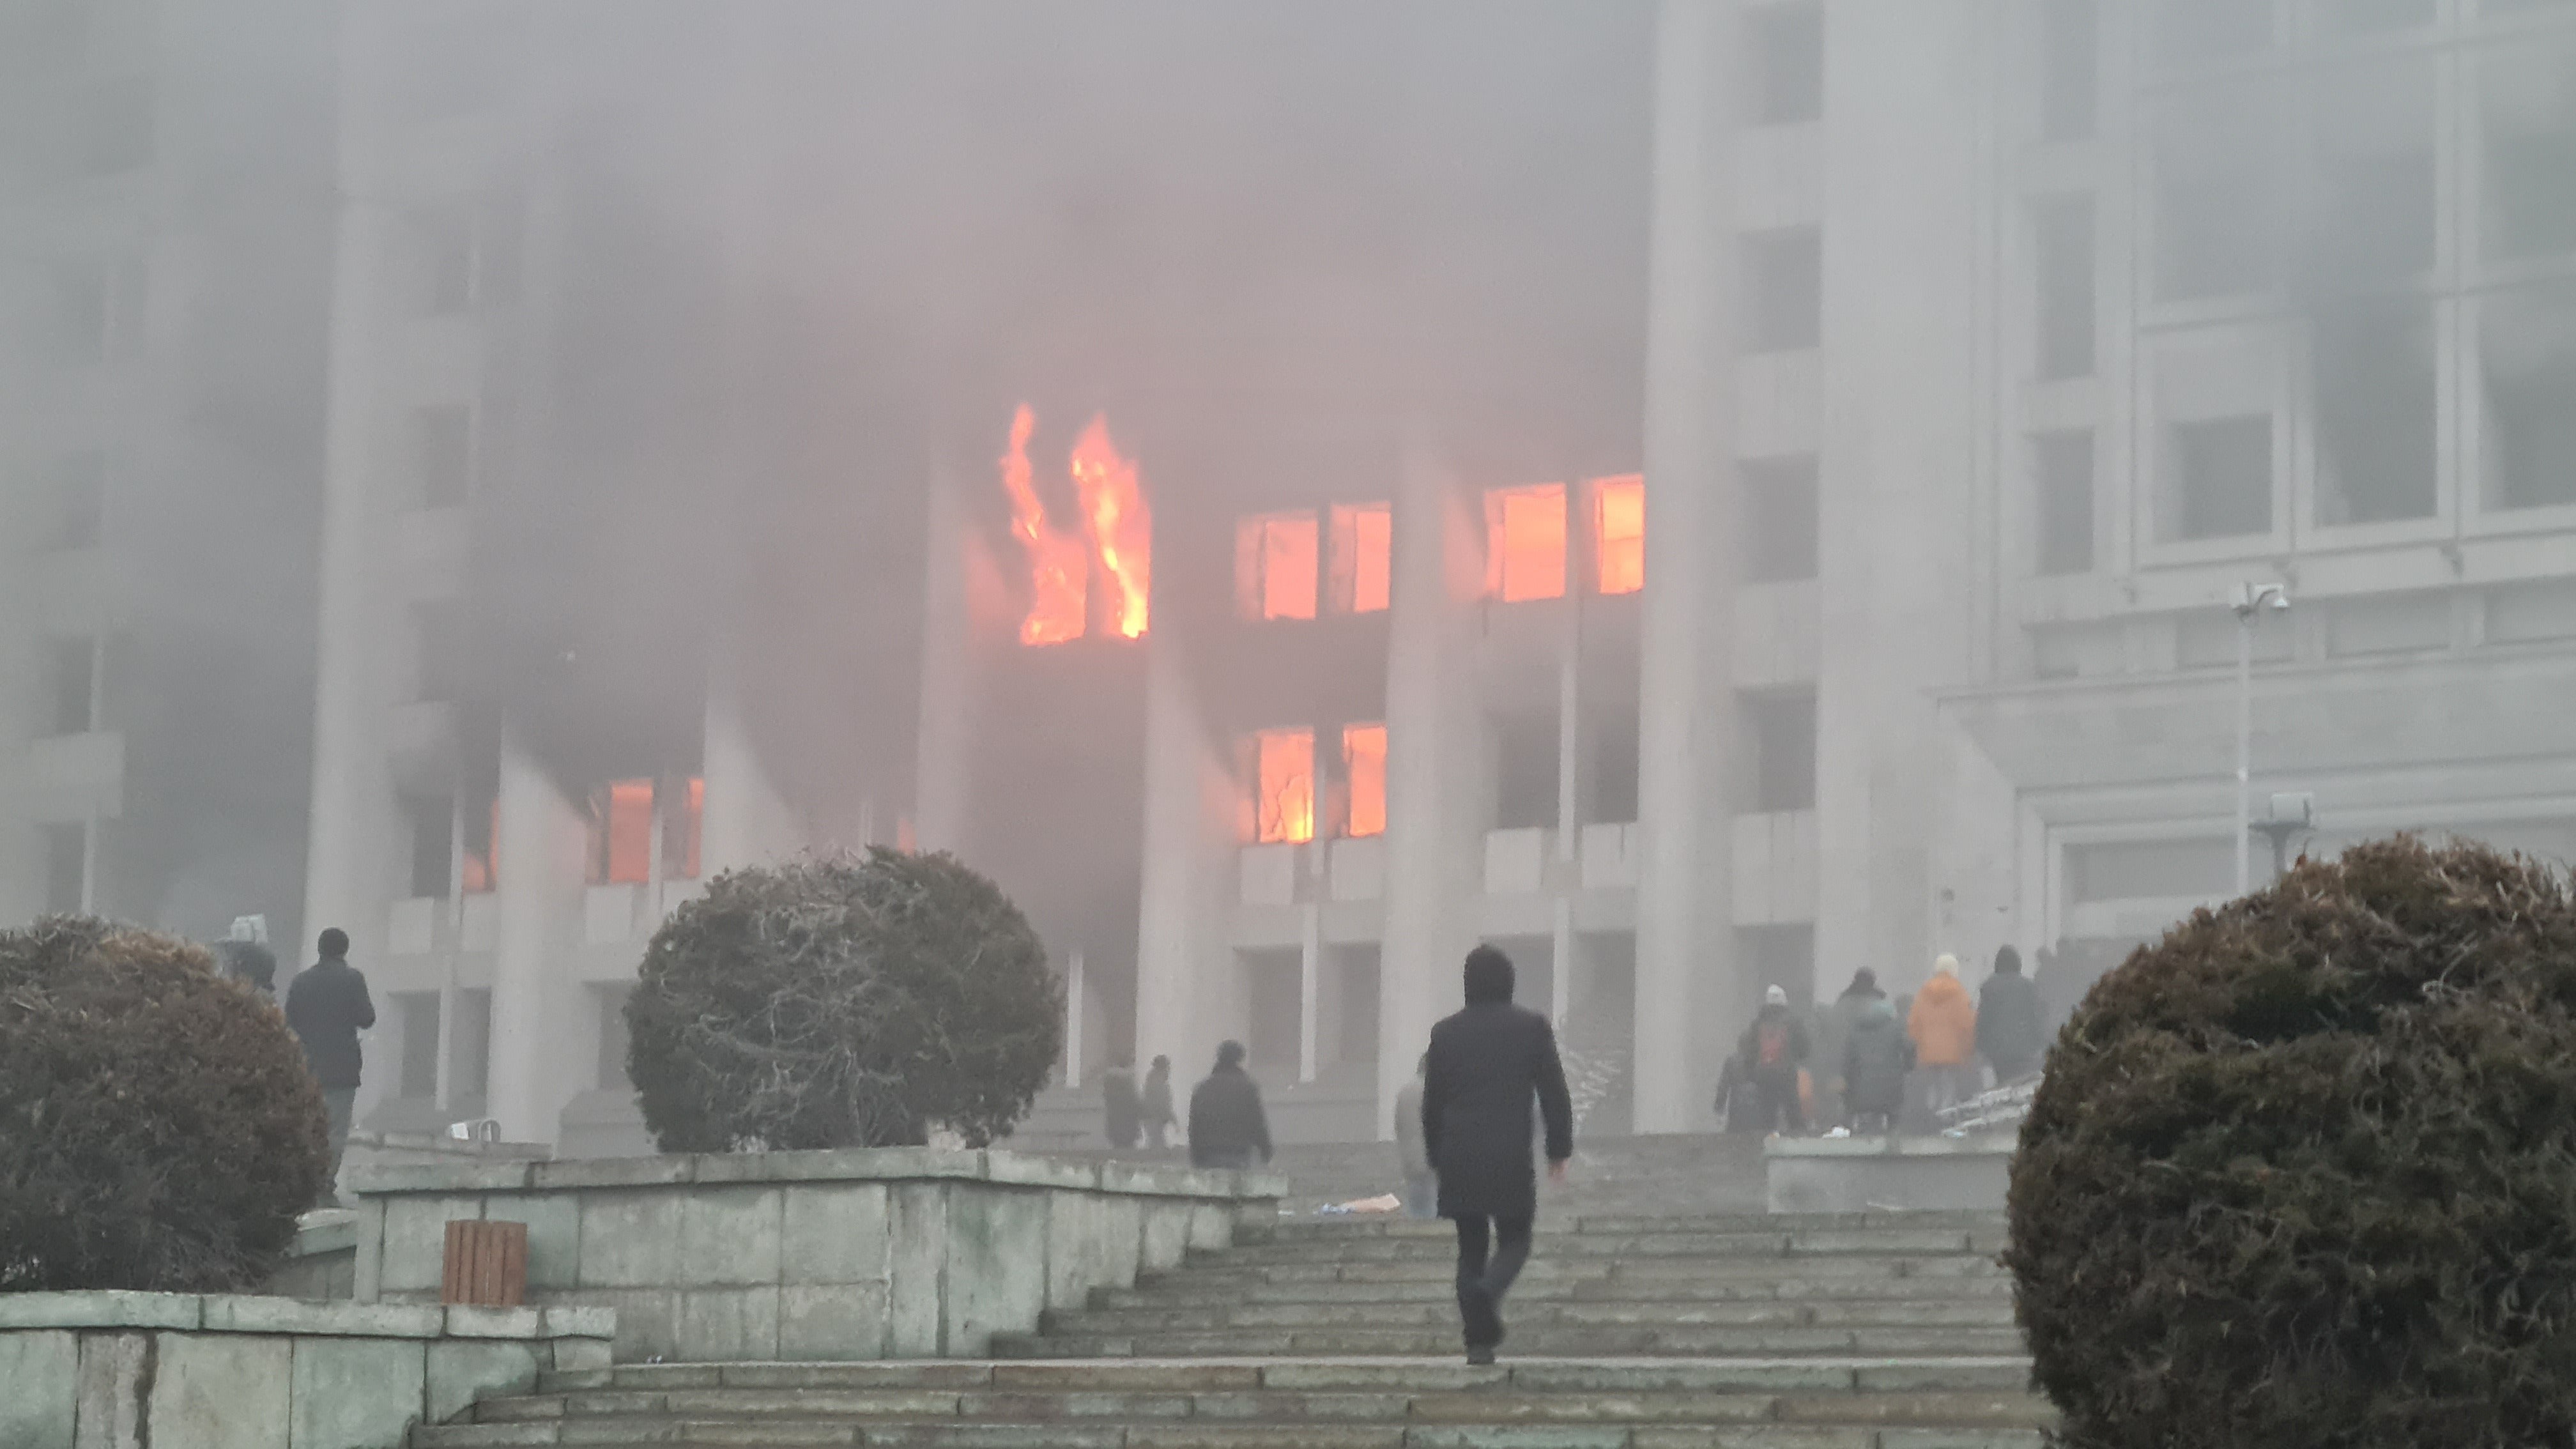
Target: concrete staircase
(1627, 1332)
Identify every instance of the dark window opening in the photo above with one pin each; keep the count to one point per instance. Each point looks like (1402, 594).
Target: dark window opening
(1778, 523)
(419, 1073)
(2221, 476)
(1524, 770)
(2531, 193)
(2528, 343)
(1780, 730)
(1614, 769)
(1784, 272)
(1787, 43)
(433, 832)
(2062, 247)
(2376, 430)
(1782, 956)
(2062, 469)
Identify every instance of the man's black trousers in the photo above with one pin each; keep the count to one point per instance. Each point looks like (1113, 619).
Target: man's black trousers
(1482, 1283)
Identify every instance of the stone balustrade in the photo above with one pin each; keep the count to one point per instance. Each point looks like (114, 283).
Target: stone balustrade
(861, 1254)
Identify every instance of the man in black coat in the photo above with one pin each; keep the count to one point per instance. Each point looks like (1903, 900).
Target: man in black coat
(1227, 1125)
(1485, 1066)
(2009, 1034)
(328, 1006)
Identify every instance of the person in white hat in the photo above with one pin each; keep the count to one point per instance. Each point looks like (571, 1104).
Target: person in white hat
(1773, 1049)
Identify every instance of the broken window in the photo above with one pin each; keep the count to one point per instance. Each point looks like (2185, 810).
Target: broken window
(2062, 477)
(1786, 41)
(1364, 771)
(1780, 735)
(2528, 94)
(1784, 278)
(67, 868)
(2062, 269)
(1275, 558)
(1525, 542)
(1778, 522)
(1283, 785)
(2218, 193)
(2374, 175)
(2527, 346)
(2189, 32)
(621, 833)
(1363, 557)
(2376, 429)
(1619, 533)
(444, 435)
(2069, 69)
(2218, 478)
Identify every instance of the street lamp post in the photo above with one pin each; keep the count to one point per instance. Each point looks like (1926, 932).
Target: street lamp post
(2252, 599)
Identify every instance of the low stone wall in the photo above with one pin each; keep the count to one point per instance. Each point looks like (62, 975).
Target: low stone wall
(323, 1263)
(892, 1253)
(218, 1371)
(1869, 1174)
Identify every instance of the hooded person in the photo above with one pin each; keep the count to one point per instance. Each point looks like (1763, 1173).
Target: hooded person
(2009, 1035)
(1487, 1065)
(1227, 1124)
(1943, 1027)
(1773, 1049)
(1835, 1034)
(1876, 1058)
(1155, 1106)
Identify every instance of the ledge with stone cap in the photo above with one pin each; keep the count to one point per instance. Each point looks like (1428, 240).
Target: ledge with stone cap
(868, 1164)
(1863, 1174)
(1979, 1144)
(251, 1313)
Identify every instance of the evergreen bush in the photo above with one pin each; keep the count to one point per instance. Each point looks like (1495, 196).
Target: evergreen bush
(853, 1001)
(158, 1127)
(2304, 1172)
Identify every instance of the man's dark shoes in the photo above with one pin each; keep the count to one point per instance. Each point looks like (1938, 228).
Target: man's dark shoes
(1480, 1353)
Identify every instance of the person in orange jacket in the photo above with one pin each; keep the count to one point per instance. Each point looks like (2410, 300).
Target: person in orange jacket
(1943, 1027)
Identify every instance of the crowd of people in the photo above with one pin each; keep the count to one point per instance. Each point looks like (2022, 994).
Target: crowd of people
(1866, 1064)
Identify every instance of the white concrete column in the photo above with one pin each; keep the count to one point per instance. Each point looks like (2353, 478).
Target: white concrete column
(944, 743)
(534, 998)
(1686, 709)
(1433, 832)
(1184, 966)
(350, 826)
(1902, 509)
(1310, 973)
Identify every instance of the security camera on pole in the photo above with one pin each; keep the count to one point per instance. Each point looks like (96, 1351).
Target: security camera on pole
(2252, 601)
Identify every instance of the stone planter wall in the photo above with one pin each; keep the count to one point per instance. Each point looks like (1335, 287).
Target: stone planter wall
(1875, 1174)
(809, 1256)
(219, 1371)
(323, 1263)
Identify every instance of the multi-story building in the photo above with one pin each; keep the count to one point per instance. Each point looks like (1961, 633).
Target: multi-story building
(165, 211)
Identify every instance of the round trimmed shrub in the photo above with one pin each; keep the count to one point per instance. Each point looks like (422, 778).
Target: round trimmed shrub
(2304, 1172)
(159, 1129)
(850, 1001)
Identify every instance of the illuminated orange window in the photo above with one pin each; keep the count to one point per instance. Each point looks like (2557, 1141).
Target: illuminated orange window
(1619, 533)
(1364, 767)
(1525, 542)
(680, 829)
(482, 858)
(621, 833)
(1275, 557)
(1362, 561)
(1283, 775)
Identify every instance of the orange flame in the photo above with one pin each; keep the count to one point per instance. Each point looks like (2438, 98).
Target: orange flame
(1122, 527)
(1058, 572)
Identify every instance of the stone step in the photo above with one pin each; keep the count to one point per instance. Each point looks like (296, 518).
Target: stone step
(1391, 1225)
(1191, 1292)
(1228, 1268)
(1440, 1374)
(1191, 1434)
(1858, 1242)
(1562, 1339)
(1423, 1308)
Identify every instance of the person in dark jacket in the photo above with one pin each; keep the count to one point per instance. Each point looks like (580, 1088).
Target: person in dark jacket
(1227, 1125)
(327, 1005)
(1836, 1034)
(1157, 1104)
(1773, 1049)
(1120, 1108)
(1486, 1065)
(2009, 1035)
(1877, 1056)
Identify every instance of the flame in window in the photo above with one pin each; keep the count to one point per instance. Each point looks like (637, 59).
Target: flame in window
(1058, 571)
(1619, 532)
(621, 833)
(1283, 776)
(1275, 557)
(1364, 767)
(1525, 542)
(1363, 539)
(1122, 527)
